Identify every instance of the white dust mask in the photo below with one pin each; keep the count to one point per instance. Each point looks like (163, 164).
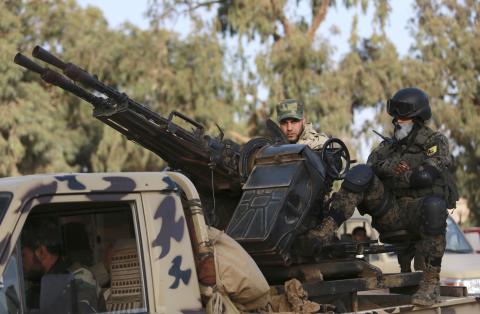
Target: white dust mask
(402, 129)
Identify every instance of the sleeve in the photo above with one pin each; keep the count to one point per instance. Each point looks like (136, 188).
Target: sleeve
(382, 160)
(318, 141)
(313, 139)
(437, 152)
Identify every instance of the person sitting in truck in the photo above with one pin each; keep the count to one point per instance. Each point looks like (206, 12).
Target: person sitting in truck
(359, 234)
(41, 255)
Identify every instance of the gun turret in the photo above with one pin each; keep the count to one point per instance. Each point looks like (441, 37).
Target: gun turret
(223, 171)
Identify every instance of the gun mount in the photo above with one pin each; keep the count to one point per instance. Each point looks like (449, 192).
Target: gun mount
(266, 191)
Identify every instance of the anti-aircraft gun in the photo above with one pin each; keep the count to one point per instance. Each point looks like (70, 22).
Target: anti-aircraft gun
(266, 191)
(192, 151)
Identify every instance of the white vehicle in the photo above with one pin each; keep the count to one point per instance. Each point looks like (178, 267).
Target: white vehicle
(473, 237)
(460, 264)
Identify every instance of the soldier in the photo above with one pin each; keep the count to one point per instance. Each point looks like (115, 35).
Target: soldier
(405, 185)
(291, 119)
(41, 249)
(359, 234)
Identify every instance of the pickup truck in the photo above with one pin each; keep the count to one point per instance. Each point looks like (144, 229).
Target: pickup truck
(139, 235)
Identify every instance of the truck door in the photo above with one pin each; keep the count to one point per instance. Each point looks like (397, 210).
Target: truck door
(176, 288)
(78, 254)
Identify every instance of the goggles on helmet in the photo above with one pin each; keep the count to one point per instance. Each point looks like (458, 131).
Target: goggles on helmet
(400, 108)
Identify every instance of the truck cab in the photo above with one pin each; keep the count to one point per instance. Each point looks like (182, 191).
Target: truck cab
(128, 230)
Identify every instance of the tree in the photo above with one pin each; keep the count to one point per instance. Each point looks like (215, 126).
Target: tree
(293, 62)
(448, 68)
(43, 129)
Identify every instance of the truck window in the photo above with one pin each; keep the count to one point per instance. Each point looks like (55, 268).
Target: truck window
(9, 288)
(87, 253)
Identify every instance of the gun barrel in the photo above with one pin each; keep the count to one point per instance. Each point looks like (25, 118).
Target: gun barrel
(25, 62)
(59, 80)
(42, 54)
(76, 73)
(80, 75)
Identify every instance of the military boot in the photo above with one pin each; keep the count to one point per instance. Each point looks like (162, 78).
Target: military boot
(323, 234)
(429, 287)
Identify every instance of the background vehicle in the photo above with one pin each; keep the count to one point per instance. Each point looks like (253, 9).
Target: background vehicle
(458, 252)
(473, 236)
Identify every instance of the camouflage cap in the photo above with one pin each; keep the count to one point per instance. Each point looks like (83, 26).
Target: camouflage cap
(289, 108)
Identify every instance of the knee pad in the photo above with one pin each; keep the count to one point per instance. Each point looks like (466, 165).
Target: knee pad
(358, 179)
(434, 215)
(381, 209)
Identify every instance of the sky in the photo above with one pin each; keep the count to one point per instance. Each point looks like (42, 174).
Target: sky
(118, 12)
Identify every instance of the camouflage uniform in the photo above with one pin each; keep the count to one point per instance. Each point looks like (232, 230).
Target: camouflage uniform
(394, 204)
(312, 138)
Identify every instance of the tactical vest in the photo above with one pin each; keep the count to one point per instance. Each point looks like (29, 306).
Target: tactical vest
(414, 153)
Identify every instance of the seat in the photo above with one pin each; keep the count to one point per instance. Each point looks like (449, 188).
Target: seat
(126, 280)
(76, 243)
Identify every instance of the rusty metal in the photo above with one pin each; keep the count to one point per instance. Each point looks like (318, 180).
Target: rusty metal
(335, 269)
(322, 288)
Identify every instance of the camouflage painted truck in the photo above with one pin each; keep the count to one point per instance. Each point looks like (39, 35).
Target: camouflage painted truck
(151, 227)
(265, 194)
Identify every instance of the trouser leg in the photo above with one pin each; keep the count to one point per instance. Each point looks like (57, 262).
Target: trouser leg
(405, 258)
(434, 215)
(356, 188)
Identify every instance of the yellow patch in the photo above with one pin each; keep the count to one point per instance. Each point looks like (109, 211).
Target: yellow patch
(432, 150)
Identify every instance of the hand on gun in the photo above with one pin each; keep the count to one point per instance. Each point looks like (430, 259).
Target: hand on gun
(401, 168)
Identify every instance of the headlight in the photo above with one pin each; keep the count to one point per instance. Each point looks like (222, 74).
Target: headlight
(473, 285)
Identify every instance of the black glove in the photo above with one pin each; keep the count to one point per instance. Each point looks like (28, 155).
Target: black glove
(423, 176)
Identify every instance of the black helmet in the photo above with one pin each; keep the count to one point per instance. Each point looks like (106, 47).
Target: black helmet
(409, 103)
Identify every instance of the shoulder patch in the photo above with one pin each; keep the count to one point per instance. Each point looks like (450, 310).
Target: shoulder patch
(432, 150)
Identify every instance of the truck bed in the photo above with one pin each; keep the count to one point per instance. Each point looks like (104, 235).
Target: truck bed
(387, 293)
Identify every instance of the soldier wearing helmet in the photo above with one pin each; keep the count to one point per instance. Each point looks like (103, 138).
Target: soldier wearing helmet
(406, 187)
(290, 116)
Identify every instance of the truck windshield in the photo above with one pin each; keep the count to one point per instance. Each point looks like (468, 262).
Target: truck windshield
(5, 198)
(456, 241)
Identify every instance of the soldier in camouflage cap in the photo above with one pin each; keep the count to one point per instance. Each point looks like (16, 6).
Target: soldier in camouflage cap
(406, 185)
(291, 119)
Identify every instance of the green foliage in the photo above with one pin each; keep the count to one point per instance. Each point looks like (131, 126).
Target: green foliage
(447, 46)
(43, 129)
